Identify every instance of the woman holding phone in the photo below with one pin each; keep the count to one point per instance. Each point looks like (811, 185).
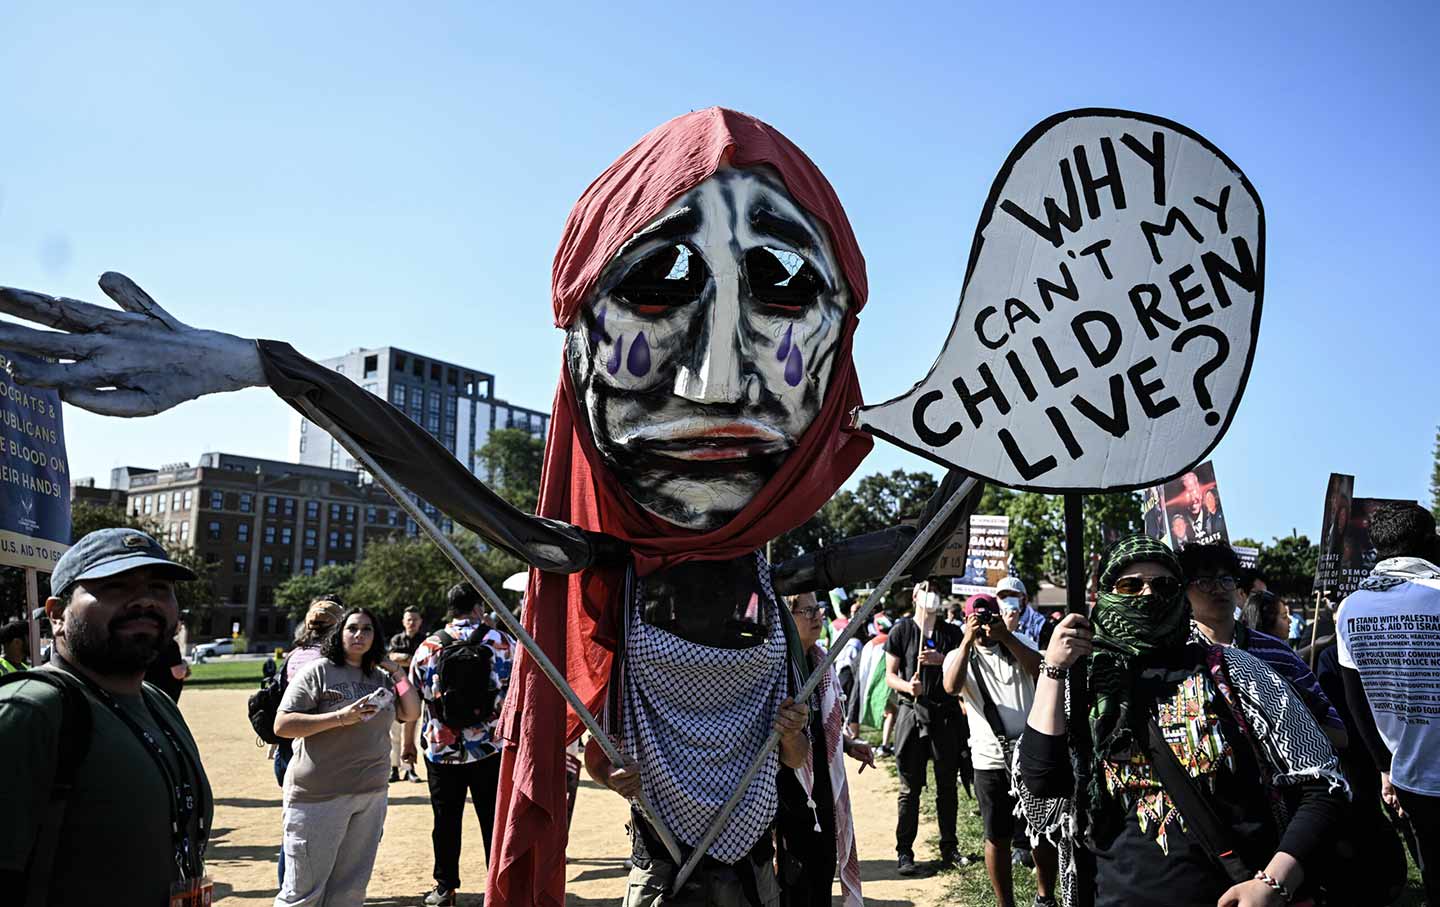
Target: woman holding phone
(339, 710)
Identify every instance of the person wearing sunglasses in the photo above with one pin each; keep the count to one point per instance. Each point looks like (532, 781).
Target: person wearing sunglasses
(1212, 590)
(1237, 737)
(815, 828)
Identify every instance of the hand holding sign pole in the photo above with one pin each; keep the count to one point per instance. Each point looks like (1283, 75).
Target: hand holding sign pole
(1107, 325)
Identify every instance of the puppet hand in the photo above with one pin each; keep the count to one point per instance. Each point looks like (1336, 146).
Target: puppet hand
(135, 362)
(1070, 642)
(625, 781)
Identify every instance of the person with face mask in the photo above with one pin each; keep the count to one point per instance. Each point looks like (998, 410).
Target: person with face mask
(1208, 784)
(928, 724)
(135, 825)
(994, 673)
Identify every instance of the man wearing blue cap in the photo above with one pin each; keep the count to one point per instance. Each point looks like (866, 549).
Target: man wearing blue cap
(108, 800)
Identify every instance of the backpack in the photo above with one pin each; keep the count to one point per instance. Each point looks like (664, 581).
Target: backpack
(464, 695)
(72, 747)
(264, 705)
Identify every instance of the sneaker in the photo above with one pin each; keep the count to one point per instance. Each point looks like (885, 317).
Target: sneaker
(411, 775)
(1041, 901)
(950, 856)
(906, 865)
(440, 897)
(1024, 858)
(394, 774)
(887, 751)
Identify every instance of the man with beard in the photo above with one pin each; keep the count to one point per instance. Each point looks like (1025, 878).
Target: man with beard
(929, 724)
(130, 828)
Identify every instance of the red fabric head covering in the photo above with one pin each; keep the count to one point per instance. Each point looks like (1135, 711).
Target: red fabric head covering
(568, 614)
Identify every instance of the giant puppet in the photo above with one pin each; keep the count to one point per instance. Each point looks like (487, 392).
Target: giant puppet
(709, 287)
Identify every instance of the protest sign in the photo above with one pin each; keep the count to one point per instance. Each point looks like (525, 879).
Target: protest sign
(1109, 315)
(34, 477)
(1249, 557)
(1193, 514)
(987, 559)
(1334, 523)
(1357, 554)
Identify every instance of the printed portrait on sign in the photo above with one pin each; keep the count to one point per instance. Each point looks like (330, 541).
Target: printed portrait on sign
(1193, 510)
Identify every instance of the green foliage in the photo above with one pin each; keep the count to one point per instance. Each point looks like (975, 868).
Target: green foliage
(513, 459)
(412, 572)
(1037, 530)
(1289, 565)
(1435, 479)
(878, 502)
(196, 598)
(297, 592)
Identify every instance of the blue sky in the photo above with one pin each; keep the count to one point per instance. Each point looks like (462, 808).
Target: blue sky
(346, 174)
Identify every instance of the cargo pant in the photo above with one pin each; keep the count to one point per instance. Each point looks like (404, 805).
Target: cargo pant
(330, 848)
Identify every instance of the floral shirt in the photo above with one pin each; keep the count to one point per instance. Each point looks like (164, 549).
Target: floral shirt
(444, 744)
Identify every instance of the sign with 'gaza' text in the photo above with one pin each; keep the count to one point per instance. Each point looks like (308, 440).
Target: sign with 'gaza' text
(1109, 316)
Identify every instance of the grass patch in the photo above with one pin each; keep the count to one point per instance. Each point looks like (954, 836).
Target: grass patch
(233, 673)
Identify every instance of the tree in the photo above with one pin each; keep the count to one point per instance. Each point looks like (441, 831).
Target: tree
(1037, 531)
(402, 573)
(513, 459)
(297, 592)
(1289, 565)
(879, 501)
(1435, 479)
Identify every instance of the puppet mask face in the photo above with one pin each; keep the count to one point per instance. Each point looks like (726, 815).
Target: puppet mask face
(706, 350)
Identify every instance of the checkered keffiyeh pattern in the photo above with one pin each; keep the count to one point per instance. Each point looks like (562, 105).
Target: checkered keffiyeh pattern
(694, 718)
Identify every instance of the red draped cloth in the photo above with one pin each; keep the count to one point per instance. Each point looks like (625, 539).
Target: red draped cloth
(573, 617)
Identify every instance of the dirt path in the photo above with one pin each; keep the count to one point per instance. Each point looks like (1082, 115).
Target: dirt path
(247, 828)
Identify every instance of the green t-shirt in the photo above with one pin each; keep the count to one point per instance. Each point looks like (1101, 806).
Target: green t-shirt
(114, 846)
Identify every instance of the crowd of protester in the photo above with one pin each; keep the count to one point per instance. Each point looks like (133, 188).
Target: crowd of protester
(1207, 761)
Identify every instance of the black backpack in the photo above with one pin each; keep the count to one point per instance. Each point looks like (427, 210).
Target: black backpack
(71, 749)
(264, 705)
(464, 694)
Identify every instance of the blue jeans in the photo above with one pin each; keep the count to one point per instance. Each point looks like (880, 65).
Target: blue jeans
(282, 762)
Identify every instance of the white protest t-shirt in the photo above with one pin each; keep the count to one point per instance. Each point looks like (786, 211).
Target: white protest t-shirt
(1393, 639)
(1011, 689)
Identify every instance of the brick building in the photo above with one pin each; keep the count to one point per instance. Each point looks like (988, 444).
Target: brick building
(258, 522)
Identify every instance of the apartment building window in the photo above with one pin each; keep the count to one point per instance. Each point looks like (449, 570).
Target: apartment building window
(242, 563)
(237, 593)
(269, 534)
(267, 565)
(212, 530)
(247, 502)
(417, 368)
(289, 506)
(349, 540)
(307, 566)
(372, 365)
(284, 566)
(397, 395)
(312, 510)
(160, 503)
(175, 501)
(433, 404)
(185, 533)
(349, 513)
(370, 515)
(217, 500)
(272, 504)
(242, 532)
(334, 513)
(187, 500)
(311, 537)
(334, 539)
(287, 535)
(149, 503)
(432, 424)
(392, 518)
(400, 360)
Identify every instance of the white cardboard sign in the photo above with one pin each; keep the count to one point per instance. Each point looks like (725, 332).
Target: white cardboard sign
(1109, 316)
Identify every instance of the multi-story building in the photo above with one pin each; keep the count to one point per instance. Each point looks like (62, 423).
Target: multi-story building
(455, 404)
(258, 522)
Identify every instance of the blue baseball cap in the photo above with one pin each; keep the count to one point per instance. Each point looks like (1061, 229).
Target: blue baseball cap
(106, 552)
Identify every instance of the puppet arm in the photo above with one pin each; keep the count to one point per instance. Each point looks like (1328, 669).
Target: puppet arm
(854, 561)
(141, 360)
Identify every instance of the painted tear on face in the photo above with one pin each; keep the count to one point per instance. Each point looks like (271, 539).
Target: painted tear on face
(707, 348)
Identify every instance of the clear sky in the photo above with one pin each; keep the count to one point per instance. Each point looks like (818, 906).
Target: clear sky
(353, 174)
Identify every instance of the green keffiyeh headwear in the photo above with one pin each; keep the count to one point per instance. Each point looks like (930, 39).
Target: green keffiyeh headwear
(1129, 630)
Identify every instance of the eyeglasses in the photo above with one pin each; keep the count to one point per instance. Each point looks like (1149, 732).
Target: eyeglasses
(806, 611)
(1214, 583)
(1163, 586)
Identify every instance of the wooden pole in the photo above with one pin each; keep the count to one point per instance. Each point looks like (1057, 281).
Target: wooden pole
(1080, 742)
(32, 601)
(1314, 630)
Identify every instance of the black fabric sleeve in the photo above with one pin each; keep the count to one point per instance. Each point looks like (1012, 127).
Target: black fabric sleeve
(1312, 829)
(1364, 719)
(1045, 764)
(422, 464)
